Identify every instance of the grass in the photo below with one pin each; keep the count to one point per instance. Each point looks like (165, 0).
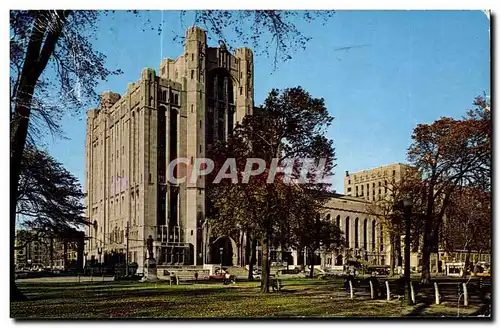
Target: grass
(300, 298)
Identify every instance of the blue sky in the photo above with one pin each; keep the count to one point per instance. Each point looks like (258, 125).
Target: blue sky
(416, 67)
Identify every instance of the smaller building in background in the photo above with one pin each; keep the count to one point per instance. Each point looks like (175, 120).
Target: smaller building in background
(62, 253)
(371, 186)
(374, 184)
(366, 238)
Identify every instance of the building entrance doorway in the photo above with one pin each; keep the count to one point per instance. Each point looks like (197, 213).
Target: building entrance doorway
(222, 249)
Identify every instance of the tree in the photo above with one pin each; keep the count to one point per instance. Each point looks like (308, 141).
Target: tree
(468, 222)
(289, 126)
(449, 153)
(312, 231)
(61, 40)
(49, 201)
(50, 197)
(390, 213)
(41, 39)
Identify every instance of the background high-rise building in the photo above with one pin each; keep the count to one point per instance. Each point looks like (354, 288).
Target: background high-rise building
(374, 184)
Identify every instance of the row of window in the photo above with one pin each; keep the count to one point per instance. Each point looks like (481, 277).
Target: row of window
(360, 192)
(393, 174)
(173, 97)
(347, 227)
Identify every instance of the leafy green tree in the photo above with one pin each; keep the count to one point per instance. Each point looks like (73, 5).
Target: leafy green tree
(50, 198)
(289, 126)
(49, 201)
(310, 229)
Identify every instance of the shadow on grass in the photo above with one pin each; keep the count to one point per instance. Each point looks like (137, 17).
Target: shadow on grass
(418, 310)
(111, 293)
(135, 300)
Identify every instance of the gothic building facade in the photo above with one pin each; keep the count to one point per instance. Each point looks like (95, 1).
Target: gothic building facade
(179, 111)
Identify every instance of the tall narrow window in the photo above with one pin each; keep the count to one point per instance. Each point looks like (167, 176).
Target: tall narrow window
(347, 232)
(173, 137)
(381, 239)
(365, 234)
(338, 221)
(374, 224)
(356, 233)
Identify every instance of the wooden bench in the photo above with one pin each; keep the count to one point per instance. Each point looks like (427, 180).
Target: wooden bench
(175, 278)
(276, 284)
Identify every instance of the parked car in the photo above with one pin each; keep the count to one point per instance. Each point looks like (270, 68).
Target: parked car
(380, 270)
(221, 277)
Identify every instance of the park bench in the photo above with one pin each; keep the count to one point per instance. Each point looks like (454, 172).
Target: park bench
(276, 284)
(176, 277)
(370, 287)
(291, 271)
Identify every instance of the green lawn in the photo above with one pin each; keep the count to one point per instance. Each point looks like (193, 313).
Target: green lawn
(300, 298)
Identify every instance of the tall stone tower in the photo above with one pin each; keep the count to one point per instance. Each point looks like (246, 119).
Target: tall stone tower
(194, 101)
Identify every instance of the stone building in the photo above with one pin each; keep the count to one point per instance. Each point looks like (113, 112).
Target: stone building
(179, 111)
(374, 184)
(63, 253)
(364, 234)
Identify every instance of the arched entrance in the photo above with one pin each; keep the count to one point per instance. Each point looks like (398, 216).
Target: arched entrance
(226, 247)
(339, 260)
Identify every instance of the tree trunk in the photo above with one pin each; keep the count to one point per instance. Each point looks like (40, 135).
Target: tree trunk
(19, 132)
(38, 53)
(253, 257)
(266, 268)
(246, 253)
(467, 264)
(393, 254)
(425, 277)
(311, 260)
(398, 251)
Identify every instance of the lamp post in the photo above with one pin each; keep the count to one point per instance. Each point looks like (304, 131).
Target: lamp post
(407, 205)
(205, 241)
(221, 251)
